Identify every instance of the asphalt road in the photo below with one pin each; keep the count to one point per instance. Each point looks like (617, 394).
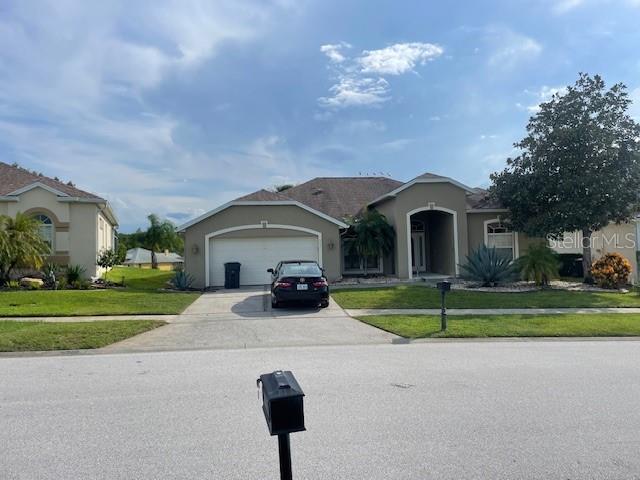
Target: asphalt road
(494, 410)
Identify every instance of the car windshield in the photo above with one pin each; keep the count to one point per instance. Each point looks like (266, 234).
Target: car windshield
(301, 269)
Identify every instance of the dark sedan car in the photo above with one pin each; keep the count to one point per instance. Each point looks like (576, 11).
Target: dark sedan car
(300, 281)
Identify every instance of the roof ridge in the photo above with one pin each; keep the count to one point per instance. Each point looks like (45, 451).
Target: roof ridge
(38, 177)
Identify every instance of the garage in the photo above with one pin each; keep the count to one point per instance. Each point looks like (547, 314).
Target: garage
(257, 255)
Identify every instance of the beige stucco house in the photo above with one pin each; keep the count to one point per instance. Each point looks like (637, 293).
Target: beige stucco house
(437, 221)
(77, 224)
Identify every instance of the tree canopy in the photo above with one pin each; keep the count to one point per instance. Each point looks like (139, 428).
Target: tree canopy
(578, 167)
(372, 234)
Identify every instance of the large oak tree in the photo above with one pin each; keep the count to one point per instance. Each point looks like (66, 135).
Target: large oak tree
(579, 166)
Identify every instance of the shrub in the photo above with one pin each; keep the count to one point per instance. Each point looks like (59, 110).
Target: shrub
(107, 259)
(484, 265)
(539, 264)
(80, 284)
(13, 284)
(74, 273)
(50, 275)
(182, 280)
(611, 271)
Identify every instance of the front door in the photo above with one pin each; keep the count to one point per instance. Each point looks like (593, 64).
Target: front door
(418, 257)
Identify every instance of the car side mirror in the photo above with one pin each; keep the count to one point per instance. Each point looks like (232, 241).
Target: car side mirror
(270, 270)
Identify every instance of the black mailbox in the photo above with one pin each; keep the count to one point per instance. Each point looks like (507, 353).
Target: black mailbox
(282, 402)
(443, 286)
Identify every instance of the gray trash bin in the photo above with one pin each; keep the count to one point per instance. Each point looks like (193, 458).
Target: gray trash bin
(232, 275)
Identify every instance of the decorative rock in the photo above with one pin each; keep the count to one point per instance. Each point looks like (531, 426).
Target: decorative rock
(31, 282)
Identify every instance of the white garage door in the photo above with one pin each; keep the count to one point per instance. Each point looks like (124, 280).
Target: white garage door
(256, 255)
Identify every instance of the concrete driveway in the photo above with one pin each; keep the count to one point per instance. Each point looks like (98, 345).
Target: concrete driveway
(244, 319)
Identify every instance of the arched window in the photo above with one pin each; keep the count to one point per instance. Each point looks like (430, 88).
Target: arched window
(47, 230)
(501, 237)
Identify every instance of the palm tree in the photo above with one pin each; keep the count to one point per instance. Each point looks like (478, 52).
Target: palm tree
(160, 235)
(540, 264)
(21, 245)
(372, 235)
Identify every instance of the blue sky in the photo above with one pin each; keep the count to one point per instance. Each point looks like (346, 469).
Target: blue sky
(177, 107)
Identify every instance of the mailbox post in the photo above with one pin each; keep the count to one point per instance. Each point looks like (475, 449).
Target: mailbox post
(444, 287)
(284, 412)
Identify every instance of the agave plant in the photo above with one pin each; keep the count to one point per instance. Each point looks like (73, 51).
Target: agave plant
(74, 273)
(182, 280)
(486, 266)
(540, 264)
(50, 274)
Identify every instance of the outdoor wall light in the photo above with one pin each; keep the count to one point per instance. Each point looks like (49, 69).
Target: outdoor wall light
(195, 249)
(331, 245)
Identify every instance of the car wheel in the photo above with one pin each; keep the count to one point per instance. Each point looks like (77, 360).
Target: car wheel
(274, 303)
(324, 303)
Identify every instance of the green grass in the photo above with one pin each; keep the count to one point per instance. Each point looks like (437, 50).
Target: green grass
(138, 278)
(418, 296)
(139, 297)
(564, 325)
(38, 336)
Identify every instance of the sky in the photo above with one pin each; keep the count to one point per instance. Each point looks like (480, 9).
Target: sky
(175, 107)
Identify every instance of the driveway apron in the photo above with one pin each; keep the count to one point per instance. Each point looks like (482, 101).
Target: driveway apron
(243, 318)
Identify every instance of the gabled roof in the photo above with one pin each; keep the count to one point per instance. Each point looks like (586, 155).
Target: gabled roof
(139, 255)
(15, 180)
(424, 178)
(262, 196)
(341, 197)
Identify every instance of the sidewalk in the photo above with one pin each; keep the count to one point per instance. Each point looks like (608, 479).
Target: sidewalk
(92, 318)
(487, 311)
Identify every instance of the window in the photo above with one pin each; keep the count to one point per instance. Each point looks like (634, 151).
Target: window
(353, 263)
(301, 270)
(501, 237)
(46, 229)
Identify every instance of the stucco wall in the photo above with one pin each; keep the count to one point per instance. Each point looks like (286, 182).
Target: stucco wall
(82, 237)
(442, 195)
(253, 215)
(476, 233)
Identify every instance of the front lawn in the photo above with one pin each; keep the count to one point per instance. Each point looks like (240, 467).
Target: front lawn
(140, 296)
(420, 296)
(564, 325)
(38, 336)
(139, 278)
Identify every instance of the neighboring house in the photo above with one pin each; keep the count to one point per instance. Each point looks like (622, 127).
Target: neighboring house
(437, 221)
(141, 258)
(76, 224)
(619, 238)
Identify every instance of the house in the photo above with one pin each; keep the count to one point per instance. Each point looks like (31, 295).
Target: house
(619, 238)
(78, 225)
(437, 221)
(141, 258)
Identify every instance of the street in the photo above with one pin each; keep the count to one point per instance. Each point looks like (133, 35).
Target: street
(450, 410)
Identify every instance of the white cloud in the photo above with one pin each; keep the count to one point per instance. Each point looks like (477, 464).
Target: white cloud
(563, 6)
(333, 51)
(65, 65)
(544, 94)
(355, 91)
(396, 145)
(360, 81)
(434, 118)
(398, 59)
(512, 49)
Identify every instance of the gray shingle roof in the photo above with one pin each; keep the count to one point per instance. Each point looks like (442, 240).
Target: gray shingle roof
(138, 255)
(338, 197)
(13, 178)
(341, 197)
